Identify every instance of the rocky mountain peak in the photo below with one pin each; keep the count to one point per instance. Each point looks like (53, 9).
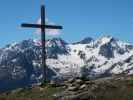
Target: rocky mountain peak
(55, 42)
(55, 47)
(106, 39)
(85, 41)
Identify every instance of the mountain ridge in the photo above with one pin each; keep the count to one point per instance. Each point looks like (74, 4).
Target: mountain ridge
(20, 63)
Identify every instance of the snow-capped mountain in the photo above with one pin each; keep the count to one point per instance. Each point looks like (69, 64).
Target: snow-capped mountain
(106, 55)
(20, 63)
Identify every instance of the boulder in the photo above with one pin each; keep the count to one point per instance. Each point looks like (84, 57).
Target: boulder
(72, 88)
(79, 81)
(83, 87)
(71, 80)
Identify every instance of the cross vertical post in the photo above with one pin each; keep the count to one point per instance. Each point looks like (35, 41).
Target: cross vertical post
(43, 42)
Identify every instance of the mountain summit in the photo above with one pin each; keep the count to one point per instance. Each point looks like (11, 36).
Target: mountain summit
(85, 41)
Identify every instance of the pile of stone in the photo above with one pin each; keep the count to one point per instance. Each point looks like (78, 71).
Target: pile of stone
(78, 89)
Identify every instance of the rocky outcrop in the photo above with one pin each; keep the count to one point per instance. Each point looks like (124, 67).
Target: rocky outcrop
(106, 50)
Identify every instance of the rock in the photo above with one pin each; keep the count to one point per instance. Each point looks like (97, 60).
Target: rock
(58, 95)
(69, 85)
(89, 82)
(79, 81)
(64, 87)
(106, 50)
(41, 89)
(110, 85)
(87, 96)
(119, 78)
(72, 88)
(71, 80)
(81, 96)
(83, 86)
(94, 87)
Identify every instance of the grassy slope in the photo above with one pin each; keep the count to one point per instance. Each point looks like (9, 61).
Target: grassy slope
(35, 93)
(123, 91)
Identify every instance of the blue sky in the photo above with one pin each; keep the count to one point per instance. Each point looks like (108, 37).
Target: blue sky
(80, 18)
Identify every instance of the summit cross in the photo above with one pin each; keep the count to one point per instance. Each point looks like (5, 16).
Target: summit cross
(42, 26)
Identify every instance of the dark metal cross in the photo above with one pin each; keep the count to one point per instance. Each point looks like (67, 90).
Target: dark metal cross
(42, 26)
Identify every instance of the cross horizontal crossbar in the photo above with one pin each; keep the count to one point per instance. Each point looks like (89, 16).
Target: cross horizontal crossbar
(41, 26)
